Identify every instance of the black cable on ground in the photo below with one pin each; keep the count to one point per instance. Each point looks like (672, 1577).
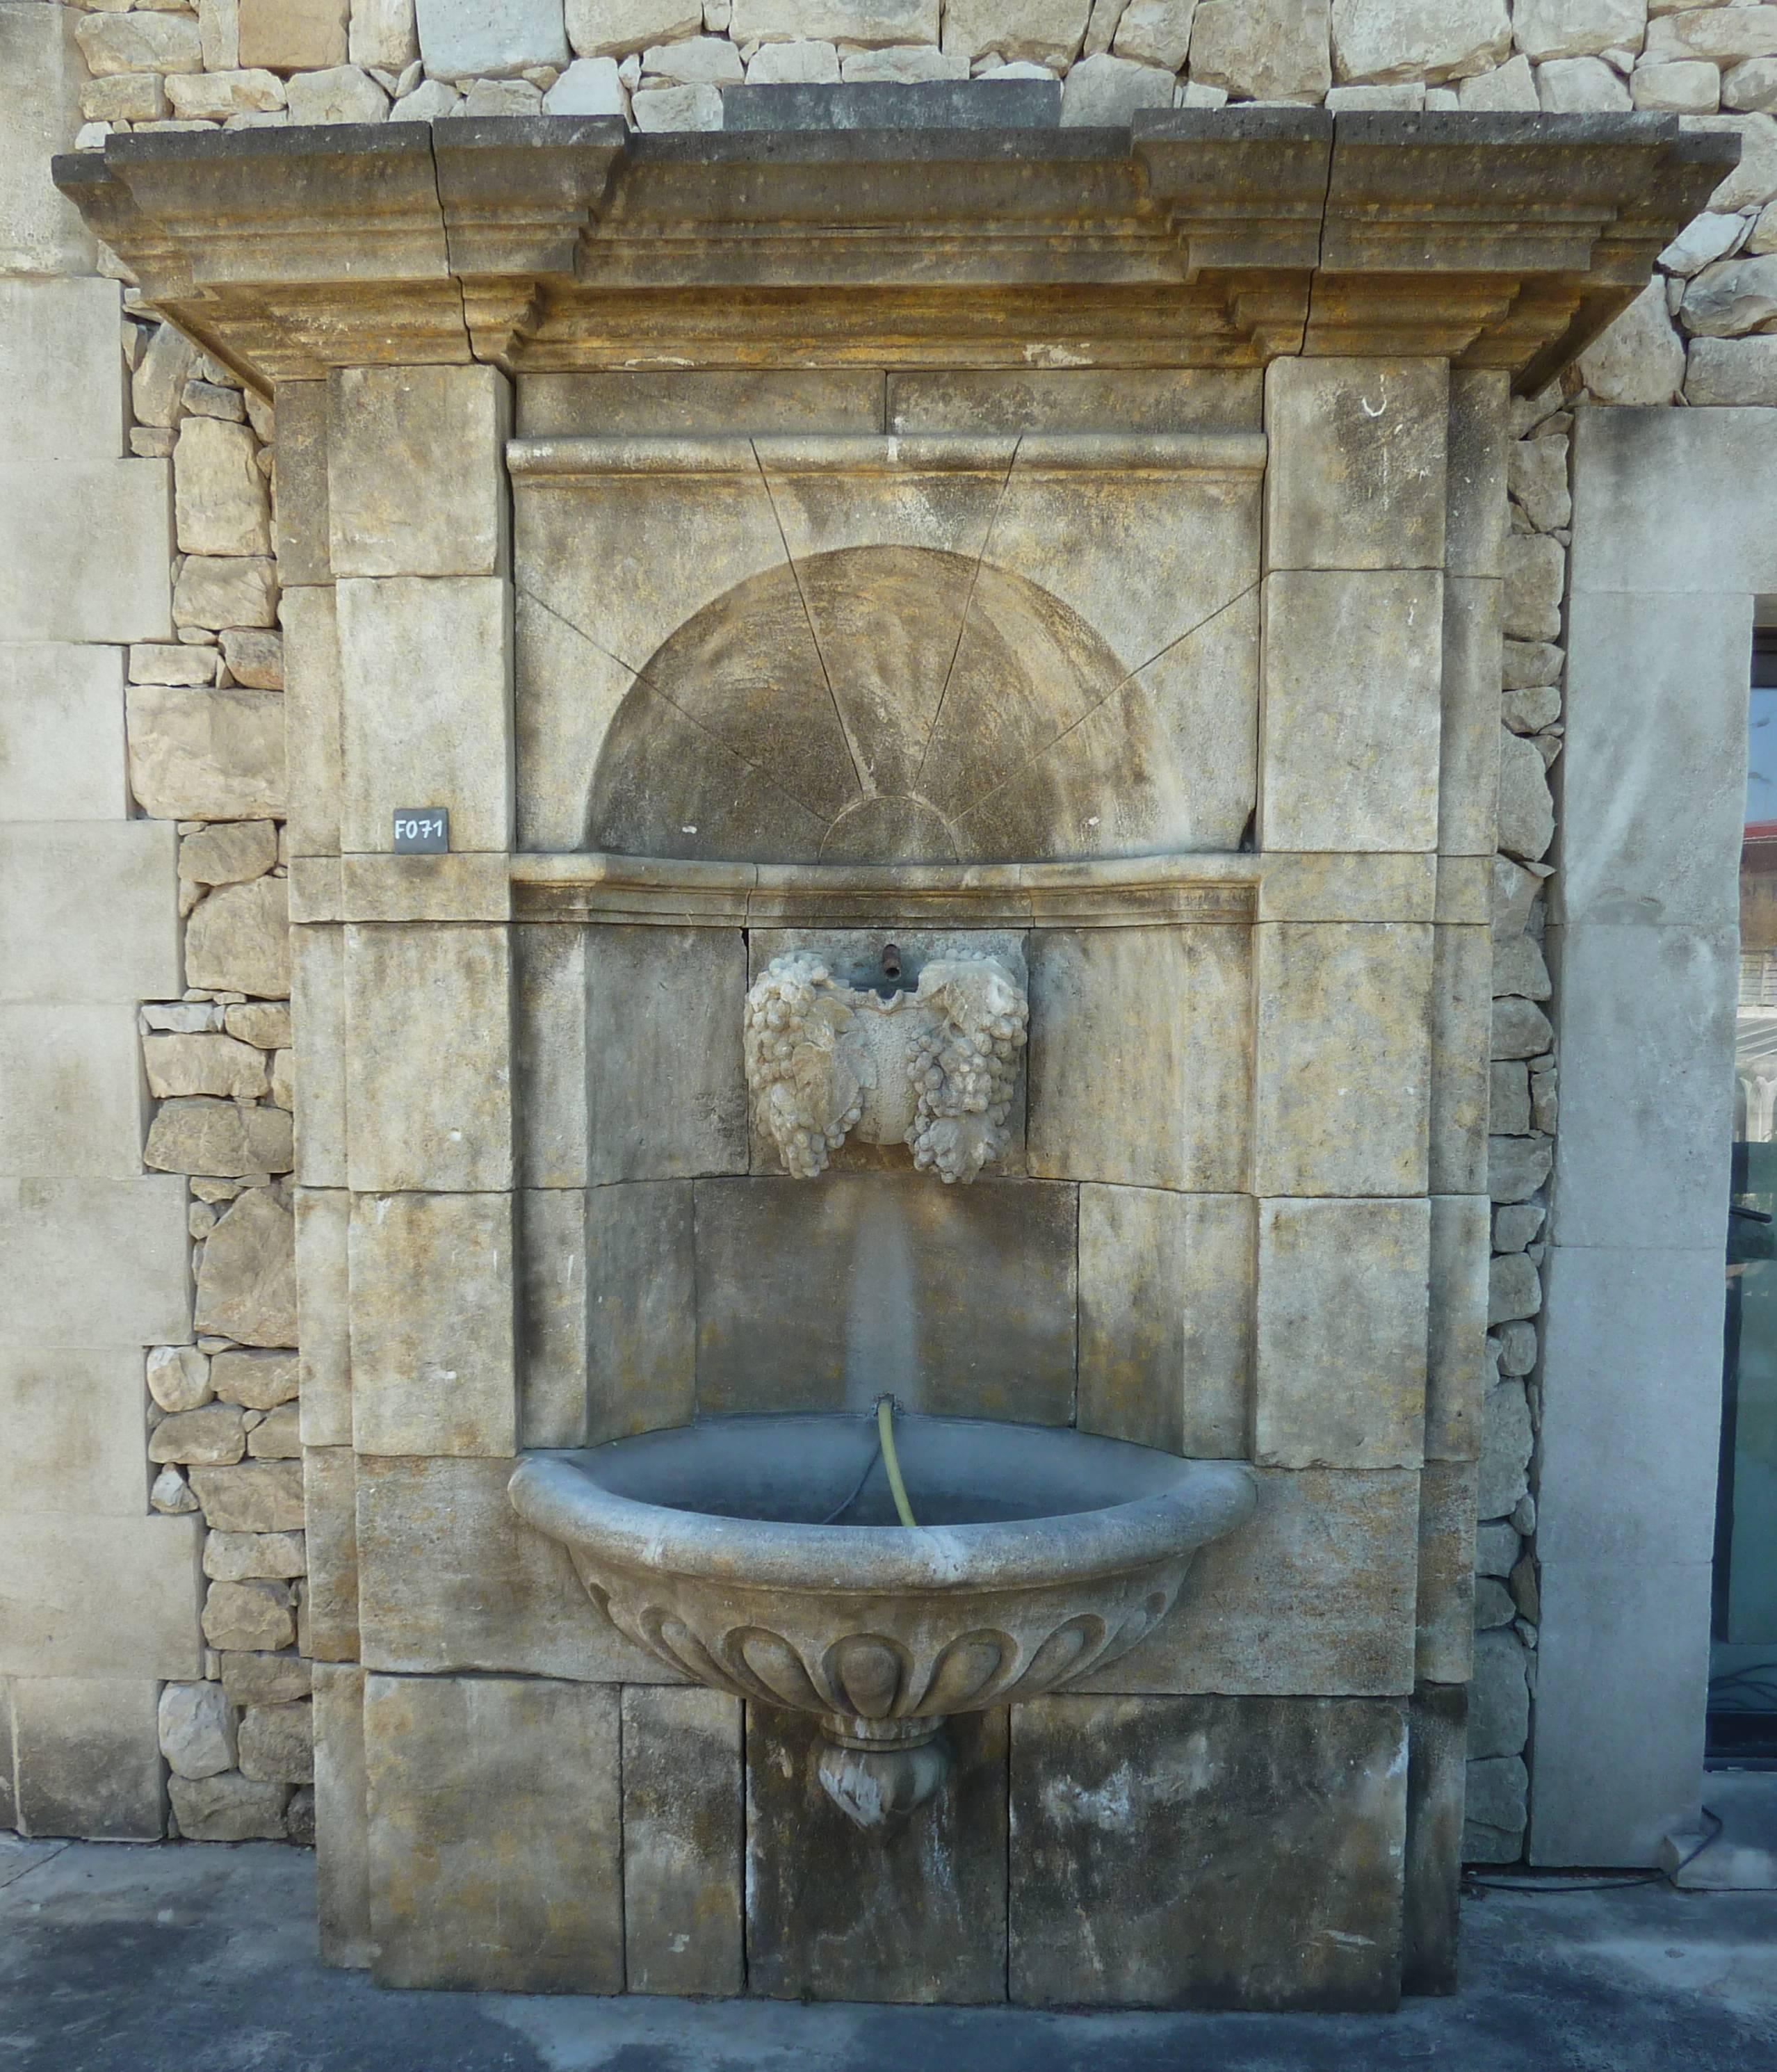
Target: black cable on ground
(1549, 1887)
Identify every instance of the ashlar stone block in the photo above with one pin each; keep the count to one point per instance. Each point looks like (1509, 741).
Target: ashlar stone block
(1468, 788)
(88, 911)
(299, 516)
(416, 479)
(317, 958)
(1241, 1852)
(684, 1829)
(342, 1864)
(331, 1513)
(1166, 1319)
(87, 1751)
(311, 718)
(52, 586)
(1340, 1362)
(553, 1320)
(99, 1597)
(1139, 1059)
(206, 754)
(1456, 1354)
(323, 1218)
(433, 1350)
(429, 1058)
(1343, 1045)
(549, 1007)
(43, 71)
(452, 1764)
(1435, 1782)
(1444, 1615)
(1475, 465)
(73, 1101)
(51, 1231)
(61, 731)
(639, 1320)
(74, 1426)
(1461, 1017)
(1353, 666)
(1356, 478)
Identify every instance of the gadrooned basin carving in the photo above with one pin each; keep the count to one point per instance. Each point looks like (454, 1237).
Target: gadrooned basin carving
(735, 1550)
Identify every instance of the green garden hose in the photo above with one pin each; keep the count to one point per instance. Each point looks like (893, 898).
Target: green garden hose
(885, 1431)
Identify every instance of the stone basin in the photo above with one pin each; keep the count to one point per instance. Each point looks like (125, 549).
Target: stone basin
(761, 1555)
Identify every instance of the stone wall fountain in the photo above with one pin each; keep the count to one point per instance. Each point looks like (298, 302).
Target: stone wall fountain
(1064, 566)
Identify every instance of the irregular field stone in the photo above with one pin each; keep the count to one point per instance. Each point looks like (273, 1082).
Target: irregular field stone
(1106, 91)
(1498, 1696)
(178, 1377)
(151, 42)
(238, 939)
(215, 1065)
(614, 28)
(292, 35)
(1536, 577)
(1640, 358)
(466, 39)
(1419, 39)
(1732, 370)
(1262, 50)
(230, 853)
(1505, 1450)
(277, 1743)
(245, 1557)
(1518, 1165)
(219, 590)
(264, 1679)
(246, 1286)
(257, 1381)
(206, 754)
(197, 1734)
(220, 502)
(200, 1135)
(214, 1437)
(264, 1023)
(1515, 1289)
(1527, 810)
(1520, 1030)
(229, 1808)
(278, 1438)
(170, 1494)
(255, 657)
(256, 1616)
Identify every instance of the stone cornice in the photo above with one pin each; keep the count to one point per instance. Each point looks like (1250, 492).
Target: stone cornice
(1197, 237)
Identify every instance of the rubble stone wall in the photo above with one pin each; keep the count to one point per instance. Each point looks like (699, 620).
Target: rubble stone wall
(203, 688)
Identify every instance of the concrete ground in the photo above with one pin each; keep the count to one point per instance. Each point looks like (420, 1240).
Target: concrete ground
(202, 1959)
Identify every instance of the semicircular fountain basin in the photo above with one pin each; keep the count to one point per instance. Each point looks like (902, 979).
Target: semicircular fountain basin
(761, 1555)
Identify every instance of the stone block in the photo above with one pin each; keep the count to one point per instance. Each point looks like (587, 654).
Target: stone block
(43, 71)
(980, 1322)
(214, 1436)
(299, 515)
(1498, 1696)
(1314, 1595)
(218, 1066)
(331, 1514)
(311, 707)
(223, 1137)
(323, 1218)
(89, 1757)
(1241, 1852)
(278, 1743)
(665, 1091)
(1445, 1607)
(341, 94)
(1341, 1056)
(1505, 1448)
(73, 1104)
(258, 1616)
(1166, 1319)
(450, 1578)
(74, 1428)
(228, 1808)
(1356, 474)
(416, 477)
(249, 1557)
(317, 1011)
(99, 1597)
(1535, 573)
(549, 1006)
(51, 1232)
(342, 1863)
(475, 887)
(1461, 1014)
(265, 1680)
(684, 1821)
(1349, 759)
(428, 1062)
(88, 911)
(1434, 1867)
(1262, 50)
(1139, 1062)
(432, 1352)
(1729, 370)
(640, 1315)
(1340, 1338)
(178, 1377)
(1469, 785)
(197, 1732)
(216, 590)
(257, 1496)
(1456, 1356)
(246, 1283)
(1317, 885)
(912, 1912)
(276, 1436)
(1477, 442)
(238, 939)
(61, 732)
(451, 1763)
(552, 1314)
(292, 35)
(52, 586)
(220, 505)
(426, 706)
(466, 39)
(206, 754)
(1074, 399)
(1518, 1165)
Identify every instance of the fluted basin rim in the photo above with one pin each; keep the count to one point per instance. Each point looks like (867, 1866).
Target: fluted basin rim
(1199, 1501)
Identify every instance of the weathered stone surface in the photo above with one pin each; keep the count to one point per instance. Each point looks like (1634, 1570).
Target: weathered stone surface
(1735, 296)
(1106, 91)
(1505, 1448)
(246, 1285)
(178, 1377)
(155, 662)
(245, 1557)
(1499, 1697)
(1444, 1604)
(1527, 664)
(1578, 28)
(215, 95)
(1579, 86)
(590, 86)
(1640, 359)
(249, 1615)
(1526, 811)
(1727, 37)
(614, 28)
(229, 853)
(255, 657)
(383, 34)
(159, 43)
(218, 590)
(1536, 576)
(804, 63)
(1165, 1331)
(1456, 1364)
(1340, 1344)
(1262, 50)
(1515, 1289)
(220, 497)
(257, 1381)
(396, 434)
(676, 108)
(264, 1679)
(277, 1743)
(214, 1436)
(218, 1137)
(1520, 1030)
(228, 1808)
(342, 1869)
(330, 1496)
(276, 1438)
(1538, 477)
(433, 1340)
(341, 94)
(450, 1578)
(683, 1821)
(1227, 1852)
(264, 1023)
(206, 754)
(197, 1734)
(450, 1761)
(1145, 1023)
(238, 939)
(292, 35)
(1357, 479)
(1418, 40)
(1518, 1165)
(1435, 1723)
(1689, 86)
(469, 39)
(913, 1911)
(1732, 370)
(1314, 1594)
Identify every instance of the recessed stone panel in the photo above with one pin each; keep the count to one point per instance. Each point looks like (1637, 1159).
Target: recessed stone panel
(639, 1319)
(684, 1833)
(453, 1763)
(1343, 1015)
(1340, 1345)
(449, 1578)
(915, 1911)
(1236, 1852)
(548, 1054)
(666, 1096)
(1139, 1059)
(1166, 1318)
(433, 1353)
(552, 1316)
(822, 1295)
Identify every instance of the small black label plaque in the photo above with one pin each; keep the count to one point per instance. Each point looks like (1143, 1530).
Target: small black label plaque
(422, 830)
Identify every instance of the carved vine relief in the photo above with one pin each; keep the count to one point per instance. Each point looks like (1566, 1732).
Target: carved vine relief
(934, 1068)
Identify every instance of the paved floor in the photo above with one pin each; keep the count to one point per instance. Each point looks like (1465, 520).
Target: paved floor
(202, 1959)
